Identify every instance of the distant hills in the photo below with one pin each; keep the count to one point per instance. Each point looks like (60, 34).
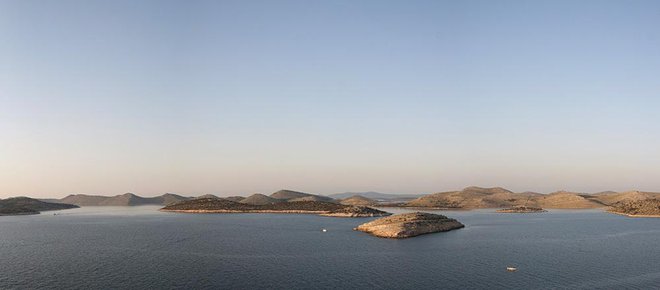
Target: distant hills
(284, 196)
(358, 200)
(26, 205)
(376, 195)
(130, 199)
(259, 199)
(497, 197)
(471, 197)
(611, 197)
(468, 198)
(290, 195)
(127, 199)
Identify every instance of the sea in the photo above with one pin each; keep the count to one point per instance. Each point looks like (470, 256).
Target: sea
(143, 248)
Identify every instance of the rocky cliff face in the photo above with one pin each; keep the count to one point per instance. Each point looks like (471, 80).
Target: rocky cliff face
(409, 225)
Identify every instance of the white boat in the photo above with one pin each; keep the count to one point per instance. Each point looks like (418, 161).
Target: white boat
(511, 269)
(324, 230)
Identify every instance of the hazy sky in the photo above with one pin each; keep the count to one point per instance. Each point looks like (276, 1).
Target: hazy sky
(236, 97)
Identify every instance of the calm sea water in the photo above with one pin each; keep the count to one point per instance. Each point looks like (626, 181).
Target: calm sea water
(141, 248)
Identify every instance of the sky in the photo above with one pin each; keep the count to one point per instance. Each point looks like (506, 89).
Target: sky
(238, 97)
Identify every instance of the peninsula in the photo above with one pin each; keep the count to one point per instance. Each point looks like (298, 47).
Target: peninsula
(637, 208)
(409, 225)
(220, 205)
(28, 206)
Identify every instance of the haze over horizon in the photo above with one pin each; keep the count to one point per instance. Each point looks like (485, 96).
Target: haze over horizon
(238, 97)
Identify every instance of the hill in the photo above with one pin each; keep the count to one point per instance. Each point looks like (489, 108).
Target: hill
(206, 196)
(290, 195)
(259, 199)
(26, 205)
(235, 198)
(358, 200)
(376, 196)
(497, 197)
(82, 199)
(610, 198)
(127, 199)
(472, 197)
(567, 200)
(167, 198)
(637, 208)
(313, 198)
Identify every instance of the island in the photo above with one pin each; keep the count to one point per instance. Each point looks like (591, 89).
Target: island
(357, 211)
(29, 206)
(637, 208)
(522, 209)
(220, 205)
(409, 225)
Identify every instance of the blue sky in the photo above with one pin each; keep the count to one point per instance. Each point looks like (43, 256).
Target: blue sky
(236, 97)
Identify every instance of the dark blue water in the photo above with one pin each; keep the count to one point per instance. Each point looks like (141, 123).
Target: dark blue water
(141, 248)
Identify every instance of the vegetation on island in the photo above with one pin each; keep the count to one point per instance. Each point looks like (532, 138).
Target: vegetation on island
(220, 205)
(637, 208)
(522, 209)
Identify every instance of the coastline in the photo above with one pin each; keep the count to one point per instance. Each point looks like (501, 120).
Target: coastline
(319, 212)
(485, 208)
(521, 211)
(428, 208)
(243, 211)
(634, 215)
(19, 214)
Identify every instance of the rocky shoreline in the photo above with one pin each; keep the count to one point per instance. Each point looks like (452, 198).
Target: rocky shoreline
(636, 215)
(2, 213)
(640, 208)
(409, 225)
(522, 209)
(357, 211)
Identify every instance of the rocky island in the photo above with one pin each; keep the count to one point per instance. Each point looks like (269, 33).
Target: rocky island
(409, 225)
(522, 209)
(27, 206)
(637, 208)
(220, 205)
